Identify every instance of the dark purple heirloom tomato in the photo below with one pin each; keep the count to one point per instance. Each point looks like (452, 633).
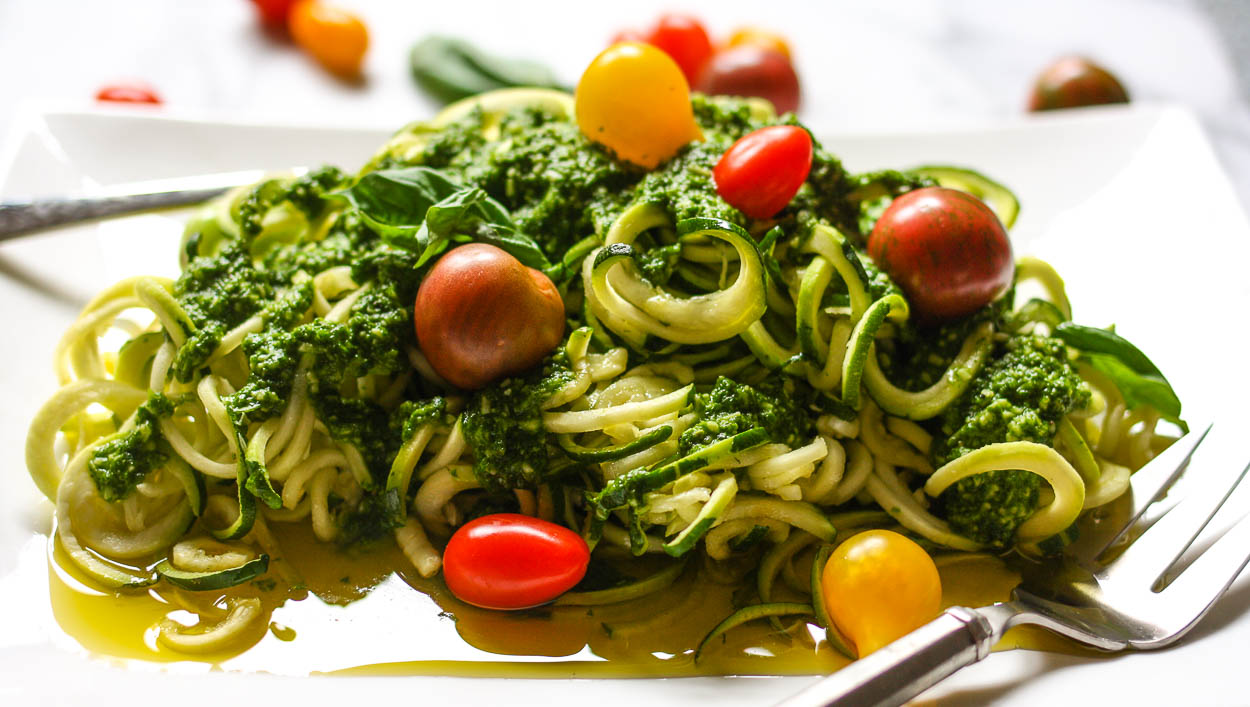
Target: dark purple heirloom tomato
(481, 315)
(946, 249)
(751, 70)
(1074, 81)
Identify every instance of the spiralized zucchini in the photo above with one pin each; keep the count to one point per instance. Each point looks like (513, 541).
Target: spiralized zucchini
(631, 307)
(727, 389)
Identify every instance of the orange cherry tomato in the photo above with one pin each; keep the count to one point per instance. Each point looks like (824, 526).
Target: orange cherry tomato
(128, 93)
(634, 100)
(481, 315)
(756, 37)
(761, 172)
(879, 586)
(513, 561)
(337, 39)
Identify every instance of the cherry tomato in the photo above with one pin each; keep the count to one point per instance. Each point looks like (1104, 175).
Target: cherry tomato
(627, 35)
(751, 70)
(879, 586)
(337, 39)
(481, 315)
(513, 561)
(128, 93)
(946, 249)
(634, 100)
(1075, 81)
(685, 40)
(273, 13)
(760, 173)
(756, 37)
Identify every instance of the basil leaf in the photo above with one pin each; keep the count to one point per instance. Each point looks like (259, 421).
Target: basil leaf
(452, 217)
(427, 244)
(393, 202)
(422, 210)
(494, 212)
(1138, 379)
(458, 208)
(450, 69)
(442, 221)
(1095, 340)
(518, 245)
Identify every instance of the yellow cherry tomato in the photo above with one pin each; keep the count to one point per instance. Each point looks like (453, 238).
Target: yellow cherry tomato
(634, 100)
(337, 39)
(879, 586)
(756, 37)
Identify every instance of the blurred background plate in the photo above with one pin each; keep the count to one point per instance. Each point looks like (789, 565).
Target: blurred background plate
(1128, 203)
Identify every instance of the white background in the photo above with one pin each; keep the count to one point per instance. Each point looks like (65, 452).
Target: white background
(864, 63)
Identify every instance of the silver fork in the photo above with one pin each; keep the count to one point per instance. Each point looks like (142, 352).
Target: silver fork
(21, 217)
(1095, 597)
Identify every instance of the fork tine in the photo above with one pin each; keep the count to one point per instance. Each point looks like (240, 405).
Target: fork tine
(1193, 593)
(1151, 481)
(1151, 554)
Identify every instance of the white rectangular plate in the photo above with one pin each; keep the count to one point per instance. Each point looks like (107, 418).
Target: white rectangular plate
(1129, 204)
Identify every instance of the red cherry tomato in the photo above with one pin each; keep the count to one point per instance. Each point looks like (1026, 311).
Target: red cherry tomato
(684, 39)
(1073, 82)
(513, 561)
(752, 70)
(946, 249)
(273, 13)
(128, 93)
(481, 315)
(760, 173)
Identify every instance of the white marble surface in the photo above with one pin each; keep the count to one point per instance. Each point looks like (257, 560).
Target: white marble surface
(865, 65)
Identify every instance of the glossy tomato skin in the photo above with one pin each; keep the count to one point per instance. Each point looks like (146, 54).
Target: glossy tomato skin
(273, 13)
(481, 315)
(128, 93)
(752, 70)
(761, 172)
(634, 100)
(685, 40)
(334, 37)
(946, 249)
(878, 586)
(754, 36)
(1074, 81)
(513, 561)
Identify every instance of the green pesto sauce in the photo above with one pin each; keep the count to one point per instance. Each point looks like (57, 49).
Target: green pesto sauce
(122, 462)
(1019, 396)
(558, 188)
(779, 404)
(504, 426)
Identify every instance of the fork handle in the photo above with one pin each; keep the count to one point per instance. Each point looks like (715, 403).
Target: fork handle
(898, 672)
(22, 217)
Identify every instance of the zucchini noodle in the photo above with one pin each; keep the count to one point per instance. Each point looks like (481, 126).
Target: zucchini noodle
(748, 392)
(1069, 489)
